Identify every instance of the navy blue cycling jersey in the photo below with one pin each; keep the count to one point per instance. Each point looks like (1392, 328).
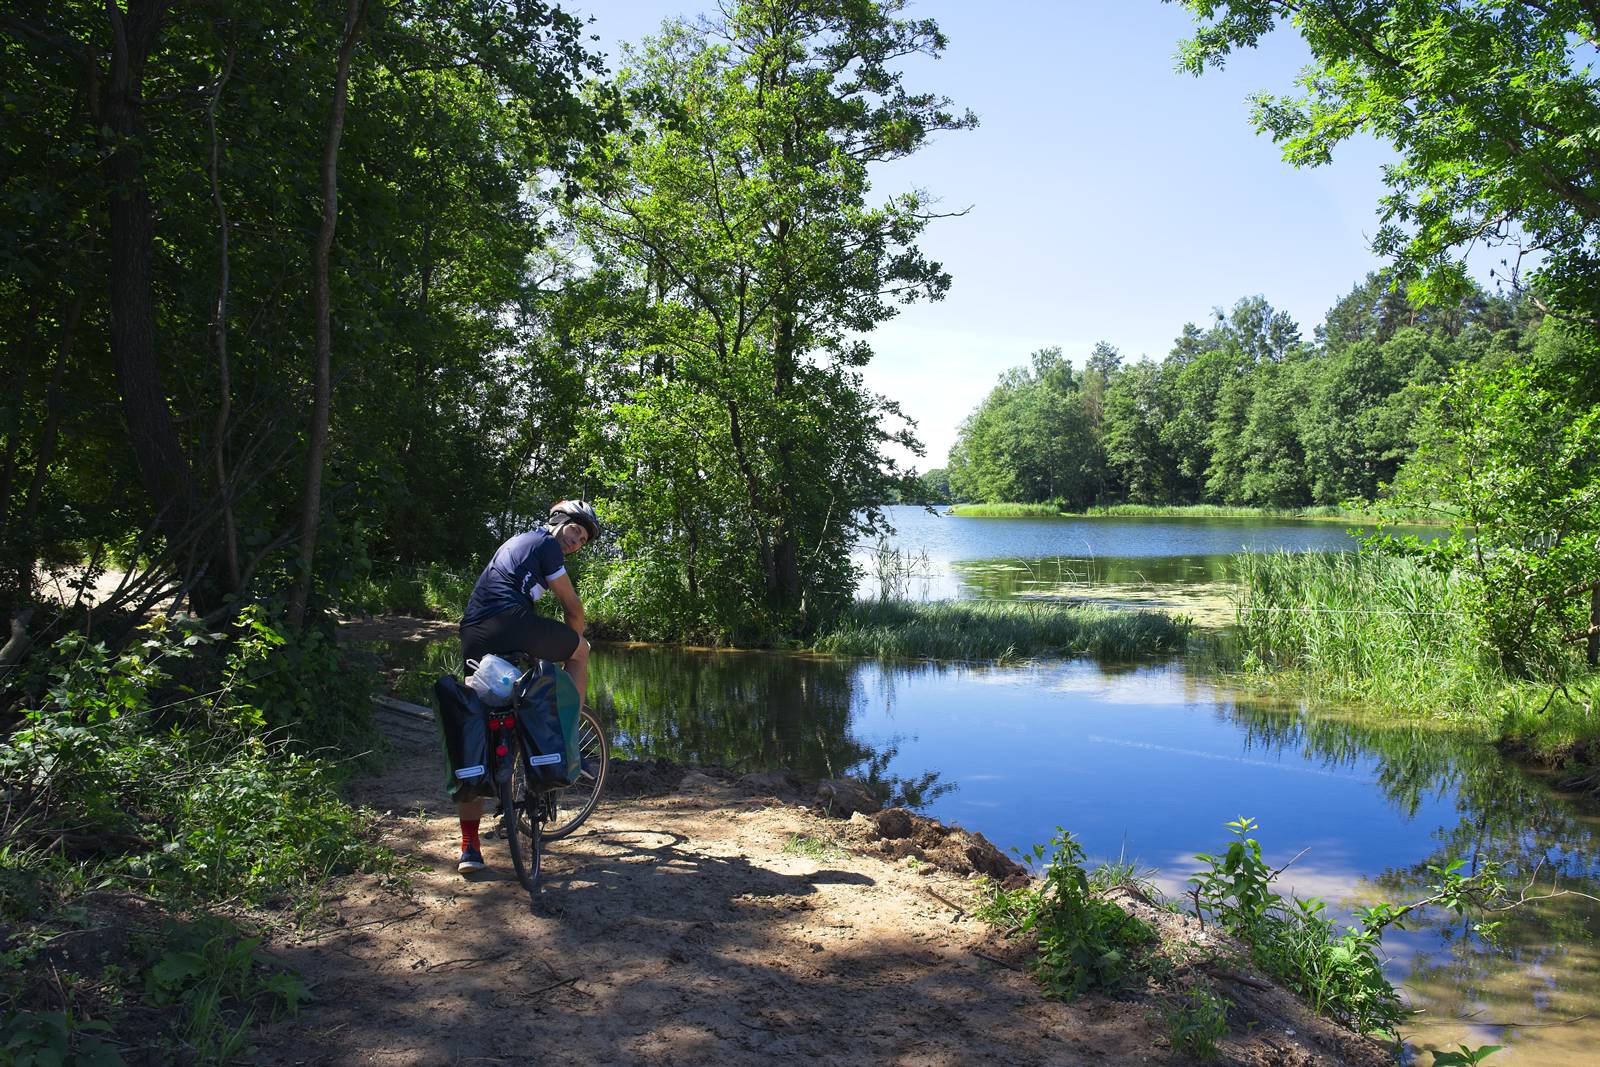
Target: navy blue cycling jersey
(521, 570)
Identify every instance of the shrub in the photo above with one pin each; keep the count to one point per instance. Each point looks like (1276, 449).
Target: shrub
(119, 775)
(1197, 1023)
(1084, 940)
(1338, 972)
(304, 686)
(432, 592)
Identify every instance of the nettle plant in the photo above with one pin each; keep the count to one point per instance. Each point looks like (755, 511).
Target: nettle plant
(1085, 941)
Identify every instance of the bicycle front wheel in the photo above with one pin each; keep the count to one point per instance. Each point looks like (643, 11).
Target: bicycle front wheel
(571, 805)
(522, 812)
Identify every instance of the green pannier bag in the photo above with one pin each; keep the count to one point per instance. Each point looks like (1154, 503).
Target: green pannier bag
(547, 717)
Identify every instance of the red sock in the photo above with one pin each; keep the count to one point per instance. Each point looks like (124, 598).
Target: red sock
(469, 833)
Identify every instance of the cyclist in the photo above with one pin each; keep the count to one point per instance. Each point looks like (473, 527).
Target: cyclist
(501, 619)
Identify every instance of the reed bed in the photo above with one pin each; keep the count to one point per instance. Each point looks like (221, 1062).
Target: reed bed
(1364, 625)
(998, 631)
(1007, 511)
(1325, 513)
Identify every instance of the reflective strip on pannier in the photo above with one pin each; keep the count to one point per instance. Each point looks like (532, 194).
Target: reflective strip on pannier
(471, 772)
(539, 722)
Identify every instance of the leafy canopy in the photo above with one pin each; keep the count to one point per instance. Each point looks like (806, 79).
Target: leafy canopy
(1491, 105)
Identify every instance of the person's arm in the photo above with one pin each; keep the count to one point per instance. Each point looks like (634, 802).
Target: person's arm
(571, 606)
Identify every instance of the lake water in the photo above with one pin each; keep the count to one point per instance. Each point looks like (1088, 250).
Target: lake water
(1178, 565)
(1149, 761)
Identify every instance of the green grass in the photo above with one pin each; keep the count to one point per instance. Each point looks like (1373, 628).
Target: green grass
(1326, 513)
(1007, 511)
(1000, 631)
(1396, 635)
(812, 848)
(1366, 627)
(432, 592)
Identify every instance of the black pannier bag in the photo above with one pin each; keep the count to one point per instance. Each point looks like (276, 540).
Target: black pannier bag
(544, 743)
(466, 742)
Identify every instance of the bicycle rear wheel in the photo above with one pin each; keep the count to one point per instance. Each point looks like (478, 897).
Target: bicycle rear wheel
(571, 805)
(522, 811)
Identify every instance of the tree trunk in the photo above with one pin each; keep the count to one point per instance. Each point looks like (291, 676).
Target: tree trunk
(785, 360)
(758, 515)
(152, 433)
(219, 340)
(321, 298)
(24, 352)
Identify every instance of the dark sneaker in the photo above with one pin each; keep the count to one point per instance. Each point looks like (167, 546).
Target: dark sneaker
(471, 860)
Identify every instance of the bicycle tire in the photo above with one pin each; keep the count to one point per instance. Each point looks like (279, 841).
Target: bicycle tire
(573, 804)
(524, 822)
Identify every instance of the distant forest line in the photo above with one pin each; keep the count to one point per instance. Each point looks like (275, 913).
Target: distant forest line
(1246, 412)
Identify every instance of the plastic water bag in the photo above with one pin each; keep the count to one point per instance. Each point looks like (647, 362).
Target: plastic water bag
(494, 680)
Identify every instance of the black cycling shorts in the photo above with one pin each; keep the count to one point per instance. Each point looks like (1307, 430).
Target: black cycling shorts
(518, 631)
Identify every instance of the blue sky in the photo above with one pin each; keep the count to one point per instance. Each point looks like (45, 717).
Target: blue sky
(1112, 198)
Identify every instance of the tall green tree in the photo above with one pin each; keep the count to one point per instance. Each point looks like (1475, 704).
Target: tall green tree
(1138, 409)
(744, 206)
(1030, 440)
(159, 210)
(1491, 105)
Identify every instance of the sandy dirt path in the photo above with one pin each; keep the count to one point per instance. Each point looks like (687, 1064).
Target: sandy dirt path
(685, 928)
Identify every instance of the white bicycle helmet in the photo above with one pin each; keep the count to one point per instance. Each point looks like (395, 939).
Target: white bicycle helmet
(578, 511)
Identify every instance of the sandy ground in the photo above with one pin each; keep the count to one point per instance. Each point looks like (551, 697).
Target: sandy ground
(681, 925)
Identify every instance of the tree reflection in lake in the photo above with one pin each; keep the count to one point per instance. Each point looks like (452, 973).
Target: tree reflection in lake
(748, 712)
(1533, 982)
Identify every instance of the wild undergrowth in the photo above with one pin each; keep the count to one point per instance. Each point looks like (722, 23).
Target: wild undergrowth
(164, 772)
(1086, 941)
(1000, 631)
(1083, 941)
(126, 772)
(1338, 972)
(432, 592)
(1336, 968)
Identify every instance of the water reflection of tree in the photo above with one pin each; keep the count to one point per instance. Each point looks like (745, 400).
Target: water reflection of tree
(1543, 957)
(748, 712)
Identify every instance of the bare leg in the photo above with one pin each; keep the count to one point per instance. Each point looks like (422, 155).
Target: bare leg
(578, 667)
(470, 809)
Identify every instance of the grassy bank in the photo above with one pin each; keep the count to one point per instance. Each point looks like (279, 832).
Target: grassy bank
(1178, 511)
(999, 631)
(1397, 635)
(1007, 511)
